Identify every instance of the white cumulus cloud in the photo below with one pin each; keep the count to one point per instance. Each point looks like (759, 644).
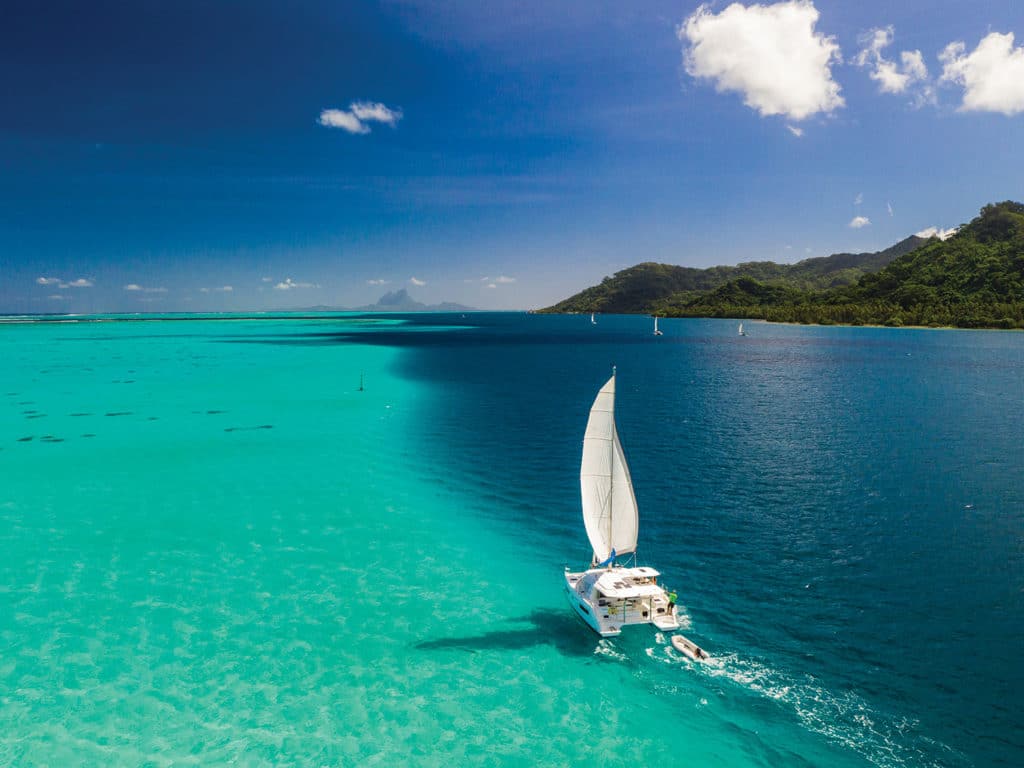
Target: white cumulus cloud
(417, 281)
(288, 285)
(942, 234)
(770, 54)
(143, 289)
(992, 75)
(859, 221)
(359, 113)
(47, 280)
(892, 76)
(375, 112)
(339, 118)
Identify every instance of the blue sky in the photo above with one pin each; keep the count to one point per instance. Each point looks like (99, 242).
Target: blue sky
(253, 155)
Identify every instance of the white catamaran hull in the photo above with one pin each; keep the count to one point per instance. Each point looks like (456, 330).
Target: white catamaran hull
(608, 599)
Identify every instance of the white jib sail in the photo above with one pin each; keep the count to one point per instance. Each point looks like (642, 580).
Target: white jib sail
(609, 505)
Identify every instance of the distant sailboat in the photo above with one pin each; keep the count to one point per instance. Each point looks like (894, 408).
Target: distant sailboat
(741, 331)
(592, 320)
(656, 331)
(608, 596)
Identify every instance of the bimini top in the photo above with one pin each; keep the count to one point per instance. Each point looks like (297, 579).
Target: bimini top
(626, 583)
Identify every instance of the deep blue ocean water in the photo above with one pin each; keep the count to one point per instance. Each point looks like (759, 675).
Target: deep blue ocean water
(217, 549)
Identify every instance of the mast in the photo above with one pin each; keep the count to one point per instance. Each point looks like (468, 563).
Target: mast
(611, 459)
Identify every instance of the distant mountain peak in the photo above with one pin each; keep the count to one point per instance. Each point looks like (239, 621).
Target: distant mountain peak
(401, 301)
(399, 298)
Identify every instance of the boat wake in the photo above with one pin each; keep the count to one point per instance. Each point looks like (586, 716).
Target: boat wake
(607, 649)
(844, 718)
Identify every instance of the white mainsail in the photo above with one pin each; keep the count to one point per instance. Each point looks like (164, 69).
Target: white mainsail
(609, 505)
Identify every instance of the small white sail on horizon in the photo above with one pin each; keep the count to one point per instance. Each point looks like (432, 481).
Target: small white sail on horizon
(656, 331)
(592, 320)
(741, 333)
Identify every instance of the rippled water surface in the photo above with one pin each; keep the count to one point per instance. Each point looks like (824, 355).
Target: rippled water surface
(217, 549)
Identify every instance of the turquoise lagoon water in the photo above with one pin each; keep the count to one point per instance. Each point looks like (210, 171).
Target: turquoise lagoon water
(216, 549)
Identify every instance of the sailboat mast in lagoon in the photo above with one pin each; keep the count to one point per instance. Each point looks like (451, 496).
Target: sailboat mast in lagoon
(608, 596)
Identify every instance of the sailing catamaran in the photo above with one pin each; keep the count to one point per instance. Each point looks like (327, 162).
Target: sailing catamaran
(608, 596)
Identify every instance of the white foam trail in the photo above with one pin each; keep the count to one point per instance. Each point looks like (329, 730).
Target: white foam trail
(844, 718)
(608, 650)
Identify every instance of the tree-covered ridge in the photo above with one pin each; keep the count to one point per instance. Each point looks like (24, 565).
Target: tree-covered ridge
(650, 287)
(975, 279)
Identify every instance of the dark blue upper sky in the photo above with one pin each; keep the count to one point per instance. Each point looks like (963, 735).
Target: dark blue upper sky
(155, 154)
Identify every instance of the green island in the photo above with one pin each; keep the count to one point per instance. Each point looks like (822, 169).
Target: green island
(974, 279)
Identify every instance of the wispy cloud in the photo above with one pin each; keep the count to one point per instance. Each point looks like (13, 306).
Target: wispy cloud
(798, 132)
(992, 75)
(492, 282)
(888, 207)
(56, 297)
(859, 198)
(770, 54)
(221, 289)
(417, 281)
(266, 279)
(359, 114)
(857, 222)
(288, 285)
(135, 287)
(942, 234)
(377, 282)
(81, 282)
(909, 73)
